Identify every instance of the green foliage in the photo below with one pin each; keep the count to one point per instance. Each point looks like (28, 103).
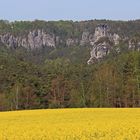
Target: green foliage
(63, 81)
(69, 29)
(60, 77)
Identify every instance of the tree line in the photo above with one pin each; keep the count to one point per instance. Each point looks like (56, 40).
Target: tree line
(31, 80)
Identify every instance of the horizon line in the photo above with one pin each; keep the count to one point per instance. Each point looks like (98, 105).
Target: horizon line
(80, 20)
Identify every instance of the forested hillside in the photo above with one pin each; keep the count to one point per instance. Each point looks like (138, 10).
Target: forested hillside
(59, 76)
(69, 28)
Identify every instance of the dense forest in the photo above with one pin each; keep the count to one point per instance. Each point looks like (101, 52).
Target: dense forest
(60, 77)
(69, 28)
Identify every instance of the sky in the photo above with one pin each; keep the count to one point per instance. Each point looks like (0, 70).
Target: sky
(69, 9)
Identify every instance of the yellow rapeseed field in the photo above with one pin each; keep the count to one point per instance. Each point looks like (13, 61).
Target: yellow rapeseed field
(71, 124)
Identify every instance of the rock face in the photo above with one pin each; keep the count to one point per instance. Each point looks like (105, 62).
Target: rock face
(102, 43)
(98, 52)
(85, 39)
(116, 38)
(71, 42)
(134, 45)
(37, 39)
(101, 31)
(34, 39)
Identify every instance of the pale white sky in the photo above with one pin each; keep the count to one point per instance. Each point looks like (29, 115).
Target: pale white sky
(69, 9)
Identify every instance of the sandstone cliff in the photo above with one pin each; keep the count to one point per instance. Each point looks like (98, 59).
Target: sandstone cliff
(101, 37)
(102, 43)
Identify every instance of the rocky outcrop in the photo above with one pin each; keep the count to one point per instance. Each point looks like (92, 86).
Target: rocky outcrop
(39, 38)
(116, 38)
(134, 45)
(85, 39)
(98, 52)
(101, 31)
(102, 43)
(34, 39)
(71, 42)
